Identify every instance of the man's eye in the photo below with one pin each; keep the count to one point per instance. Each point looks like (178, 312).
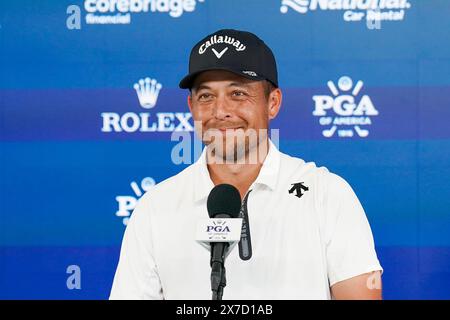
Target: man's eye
(238, 93)
(204, 96)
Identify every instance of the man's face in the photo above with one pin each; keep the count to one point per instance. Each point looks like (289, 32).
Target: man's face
(230, 105)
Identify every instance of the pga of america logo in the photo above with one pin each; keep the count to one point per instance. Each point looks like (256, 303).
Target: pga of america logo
(218, 226)
(218, 230)
(343, 112)
(354, 10)
(147, 91)
(126, 204)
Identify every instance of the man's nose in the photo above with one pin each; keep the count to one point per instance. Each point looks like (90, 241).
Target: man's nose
(222, 108)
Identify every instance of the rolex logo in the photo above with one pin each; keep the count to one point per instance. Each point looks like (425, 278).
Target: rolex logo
(147, 90)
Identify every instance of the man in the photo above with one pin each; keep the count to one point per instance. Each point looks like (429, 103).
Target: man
(307, 236)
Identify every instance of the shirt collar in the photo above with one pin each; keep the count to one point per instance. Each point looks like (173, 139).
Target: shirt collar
(268, 175)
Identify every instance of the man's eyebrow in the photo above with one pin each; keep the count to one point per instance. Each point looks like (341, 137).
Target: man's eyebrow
(239, 84)
(200, 87)
(232, 84)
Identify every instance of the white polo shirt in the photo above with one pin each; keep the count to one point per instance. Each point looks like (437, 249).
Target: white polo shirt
(302, 242)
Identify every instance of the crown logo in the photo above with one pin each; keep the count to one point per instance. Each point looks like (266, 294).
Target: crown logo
(147, 91)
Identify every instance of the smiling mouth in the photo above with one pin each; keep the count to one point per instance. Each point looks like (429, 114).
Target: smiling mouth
(229, 129)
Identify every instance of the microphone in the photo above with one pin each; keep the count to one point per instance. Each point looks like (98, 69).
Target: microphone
(224, 205)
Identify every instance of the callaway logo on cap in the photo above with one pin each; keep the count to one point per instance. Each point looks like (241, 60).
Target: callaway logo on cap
(240, 52)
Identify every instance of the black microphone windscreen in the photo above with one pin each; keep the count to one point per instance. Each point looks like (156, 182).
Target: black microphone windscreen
(224, 199)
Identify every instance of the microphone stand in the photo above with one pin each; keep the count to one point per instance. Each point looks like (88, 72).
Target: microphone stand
(218, 273)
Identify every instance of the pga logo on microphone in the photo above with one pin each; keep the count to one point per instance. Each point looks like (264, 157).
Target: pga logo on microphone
(219, 230)
(218, 227)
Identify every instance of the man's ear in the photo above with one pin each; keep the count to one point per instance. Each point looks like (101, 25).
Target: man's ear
(275, 98)
(189, 102)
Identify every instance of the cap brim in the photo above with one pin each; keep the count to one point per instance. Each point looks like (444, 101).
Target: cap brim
(188, 81)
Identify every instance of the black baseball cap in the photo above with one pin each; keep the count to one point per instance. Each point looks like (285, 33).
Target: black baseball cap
(240, 52)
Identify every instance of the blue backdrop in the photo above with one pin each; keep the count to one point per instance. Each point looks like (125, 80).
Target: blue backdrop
(367, 98)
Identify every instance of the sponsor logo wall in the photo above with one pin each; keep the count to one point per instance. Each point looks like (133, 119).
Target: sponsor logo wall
(90, 105)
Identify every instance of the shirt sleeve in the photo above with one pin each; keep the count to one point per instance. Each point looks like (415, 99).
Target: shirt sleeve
(137, 276)
(350, 248)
